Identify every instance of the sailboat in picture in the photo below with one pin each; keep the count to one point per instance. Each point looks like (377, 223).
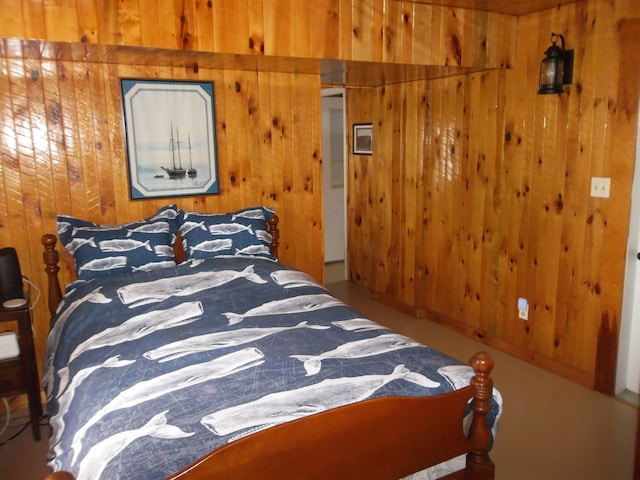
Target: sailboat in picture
(192, 172)
(177, 171)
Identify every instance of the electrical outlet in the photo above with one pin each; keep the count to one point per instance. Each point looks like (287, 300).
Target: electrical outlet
(523, 309)
(600, 187)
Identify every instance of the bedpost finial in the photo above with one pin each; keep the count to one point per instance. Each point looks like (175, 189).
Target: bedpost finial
(49, 240)
(482, 362)
(51, 257)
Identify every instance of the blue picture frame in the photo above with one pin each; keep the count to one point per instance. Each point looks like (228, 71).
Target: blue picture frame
(170, 129)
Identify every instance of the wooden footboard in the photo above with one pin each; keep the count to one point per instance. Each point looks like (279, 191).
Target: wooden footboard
(383, 438)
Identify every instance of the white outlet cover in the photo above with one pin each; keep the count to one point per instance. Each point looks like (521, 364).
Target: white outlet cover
(523, 309)
(600, 187)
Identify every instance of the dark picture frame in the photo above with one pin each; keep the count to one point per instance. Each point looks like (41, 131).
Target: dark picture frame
(362, 138)
(170, 129)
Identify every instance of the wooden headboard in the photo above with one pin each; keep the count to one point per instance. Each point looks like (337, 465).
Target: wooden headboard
(51, 257)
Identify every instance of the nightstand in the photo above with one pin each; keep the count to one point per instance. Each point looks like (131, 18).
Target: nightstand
(20, 374)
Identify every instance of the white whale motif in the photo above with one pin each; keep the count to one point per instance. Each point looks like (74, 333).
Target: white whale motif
(186, 227)
(65, 397)
(212, 245)
(459, 376)
(170, 382)
(280, 407)
(136, 294)
(293, 279)
(358, 325)
(298, 304)
(101, 264)
(357, 349)
(169, 213)
(264, 236)
(62, 226)
(76, 243)
(163, 250)
(147, 267)
(140, 326)
(124, 245)
(155, 227)
(95, 296)
(217, 340)
(253, 250)
(254, 214)
(99, 456)
(189, 214)
(95, 228)
(229, 229)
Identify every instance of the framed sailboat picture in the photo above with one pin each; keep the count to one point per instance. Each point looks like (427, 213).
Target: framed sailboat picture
(170, 129)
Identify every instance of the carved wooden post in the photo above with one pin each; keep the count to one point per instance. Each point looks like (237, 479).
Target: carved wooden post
(478, 460)
(275, 234)
(51, 259)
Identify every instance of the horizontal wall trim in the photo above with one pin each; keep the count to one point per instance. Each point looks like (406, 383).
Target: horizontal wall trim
(331, 71)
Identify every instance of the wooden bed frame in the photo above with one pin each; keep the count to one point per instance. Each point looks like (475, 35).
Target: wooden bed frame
(382, 438)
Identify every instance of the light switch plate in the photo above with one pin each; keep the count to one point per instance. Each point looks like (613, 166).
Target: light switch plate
(600, 187)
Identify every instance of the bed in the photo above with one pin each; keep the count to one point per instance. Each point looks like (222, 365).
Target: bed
(183, 349)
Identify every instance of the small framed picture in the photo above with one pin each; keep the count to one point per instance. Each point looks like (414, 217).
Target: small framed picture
(363, 139)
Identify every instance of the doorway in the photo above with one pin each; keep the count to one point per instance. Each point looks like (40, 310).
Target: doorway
(334, 182)
(628, 374)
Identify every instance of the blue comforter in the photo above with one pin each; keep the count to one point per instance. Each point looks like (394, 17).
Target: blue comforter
(146, 372)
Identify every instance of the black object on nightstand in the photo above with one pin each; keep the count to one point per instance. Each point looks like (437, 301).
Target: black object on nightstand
(20, 374)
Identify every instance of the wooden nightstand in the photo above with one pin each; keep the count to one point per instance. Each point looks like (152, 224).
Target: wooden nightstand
(20, 375)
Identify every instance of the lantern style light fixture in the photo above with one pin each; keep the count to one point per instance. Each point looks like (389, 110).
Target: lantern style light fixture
(556, 68)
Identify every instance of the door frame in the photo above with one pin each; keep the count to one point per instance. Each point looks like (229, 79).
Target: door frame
(628, 371)
(332, 92)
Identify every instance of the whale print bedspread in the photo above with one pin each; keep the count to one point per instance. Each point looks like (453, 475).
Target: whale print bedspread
(146, 372)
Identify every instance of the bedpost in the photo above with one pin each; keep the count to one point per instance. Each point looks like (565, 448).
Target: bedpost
(51, 259)
(478, 460)
(274, 231)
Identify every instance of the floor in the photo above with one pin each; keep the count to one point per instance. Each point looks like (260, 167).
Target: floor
(551, 429)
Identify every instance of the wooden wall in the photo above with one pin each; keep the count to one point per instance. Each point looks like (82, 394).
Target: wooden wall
(365, 30)
(63, 151)
(478, 193)
(61, 128)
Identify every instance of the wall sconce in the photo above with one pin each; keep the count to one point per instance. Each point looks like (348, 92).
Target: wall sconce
(556, 68)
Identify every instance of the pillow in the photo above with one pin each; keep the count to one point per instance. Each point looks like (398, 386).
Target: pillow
(240, 233)
(104, 249)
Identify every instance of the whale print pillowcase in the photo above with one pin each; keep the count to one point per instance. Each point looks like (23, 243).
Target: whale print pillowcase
(241, 233)
(104, 249)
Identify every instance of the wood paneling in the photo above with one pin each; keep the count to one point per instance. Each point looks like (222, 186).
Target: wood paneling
(371, 30)
(510, 7)
(477, 192)
(62, 149)
(504, 195)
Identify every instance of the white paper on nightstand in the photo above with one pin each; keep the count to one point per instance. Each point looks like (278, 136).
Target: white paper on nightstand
(8, 345)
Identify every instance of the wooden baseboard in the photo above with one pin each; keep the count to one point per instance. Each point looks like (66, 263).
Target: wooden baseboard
(534, 358)
(397, 304)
